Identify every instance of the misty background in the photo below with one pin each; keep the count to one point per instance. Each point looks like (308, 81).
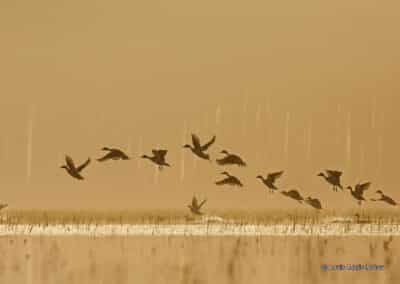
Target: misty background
(295, 86)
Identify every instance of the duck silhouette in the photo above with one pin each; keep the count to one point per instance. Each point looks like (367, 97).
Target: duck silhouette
(333, 178)
(195, 206)
(358, 191)
(314, 202)
(158, 158)
(385, 198)
(229, 180)
(113, 154)
(270, 180)
(72, 170)
(230, 159)
(293, 194)
(198, 149)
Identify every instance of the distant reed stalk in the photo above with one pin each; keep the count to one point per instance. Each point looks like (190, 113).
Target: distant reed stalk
(286, 144)
(140, 149)
(31, 117)
(244, 118)
(184, 134)
(348, 140)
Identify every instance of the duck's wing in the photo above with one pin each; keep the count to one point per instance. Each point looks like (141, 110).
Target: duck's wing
(84, 165)
(336, 174)
(225, 161)
(202, 203)
(274, 176)
(360, 188)
(206, 146)
(70, 162)
(196, 141)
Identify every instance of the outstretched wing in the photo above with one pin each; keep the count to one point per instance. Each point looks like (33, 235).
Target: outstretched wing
(206, 146)
(202, 203)
(84, 165)
(360, 188)
(274, 176)
(334, 173)
(196, 141)
(70, 162)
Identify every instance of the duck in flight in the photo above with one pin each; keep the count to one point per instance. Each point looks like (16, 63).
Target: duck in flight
(230, 159)
(333, 178)
(229, 180)
(72, 170)
(113, 154)
(314, 202)
(385, 198)
(158, 158)
(198, 149)
(270, 180)
(195, 206)
(358, 191)
(293, 194)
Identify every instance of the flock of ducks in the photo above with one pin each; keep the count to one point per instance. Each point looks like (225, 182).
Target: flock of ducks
(332, 177)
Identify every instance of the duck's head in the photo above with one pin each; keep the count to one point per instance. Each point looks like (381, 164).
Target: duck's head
(187, 146)
(349, 188)
(225, 152)
(260, 177)
(379, 191)
(225, 173)
(105, 149)
(321, 175)
(64, 167)
(144, 157)
(167, 165)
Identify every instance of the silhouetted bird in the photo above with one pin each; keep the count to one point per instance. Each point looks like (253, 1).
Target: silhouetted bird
(293, 194)
(72, 169)
(229, 180)
(358, 192)
(113, 154)
(230, 159)
(3, 206)
(198, 149)
(158, 158)
(270, 180)
(195, 206)
(333, 178)
(314, 202)
(385, 198)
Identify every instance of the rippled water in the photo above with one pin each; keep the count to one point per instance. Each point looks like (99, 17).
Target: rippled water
(203, 230)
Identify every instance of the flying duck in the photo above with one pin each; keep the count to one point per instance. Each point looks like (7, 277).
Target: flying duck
(385, 198)
(195, 206)
(198, 149)
(230, 159)
(314, 202)
(293, 194)
(229, 180)
(358, 192)
(72, 170)
(270, 180)
(113, 154)
(158, 158)
(333, 178)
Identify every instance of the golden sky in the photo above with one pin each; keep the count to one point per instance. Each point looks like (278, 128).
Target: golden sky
(120, 72)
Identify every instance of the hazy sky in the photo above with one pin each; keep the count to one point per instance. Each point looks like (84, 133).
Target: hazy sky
(116, 73)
